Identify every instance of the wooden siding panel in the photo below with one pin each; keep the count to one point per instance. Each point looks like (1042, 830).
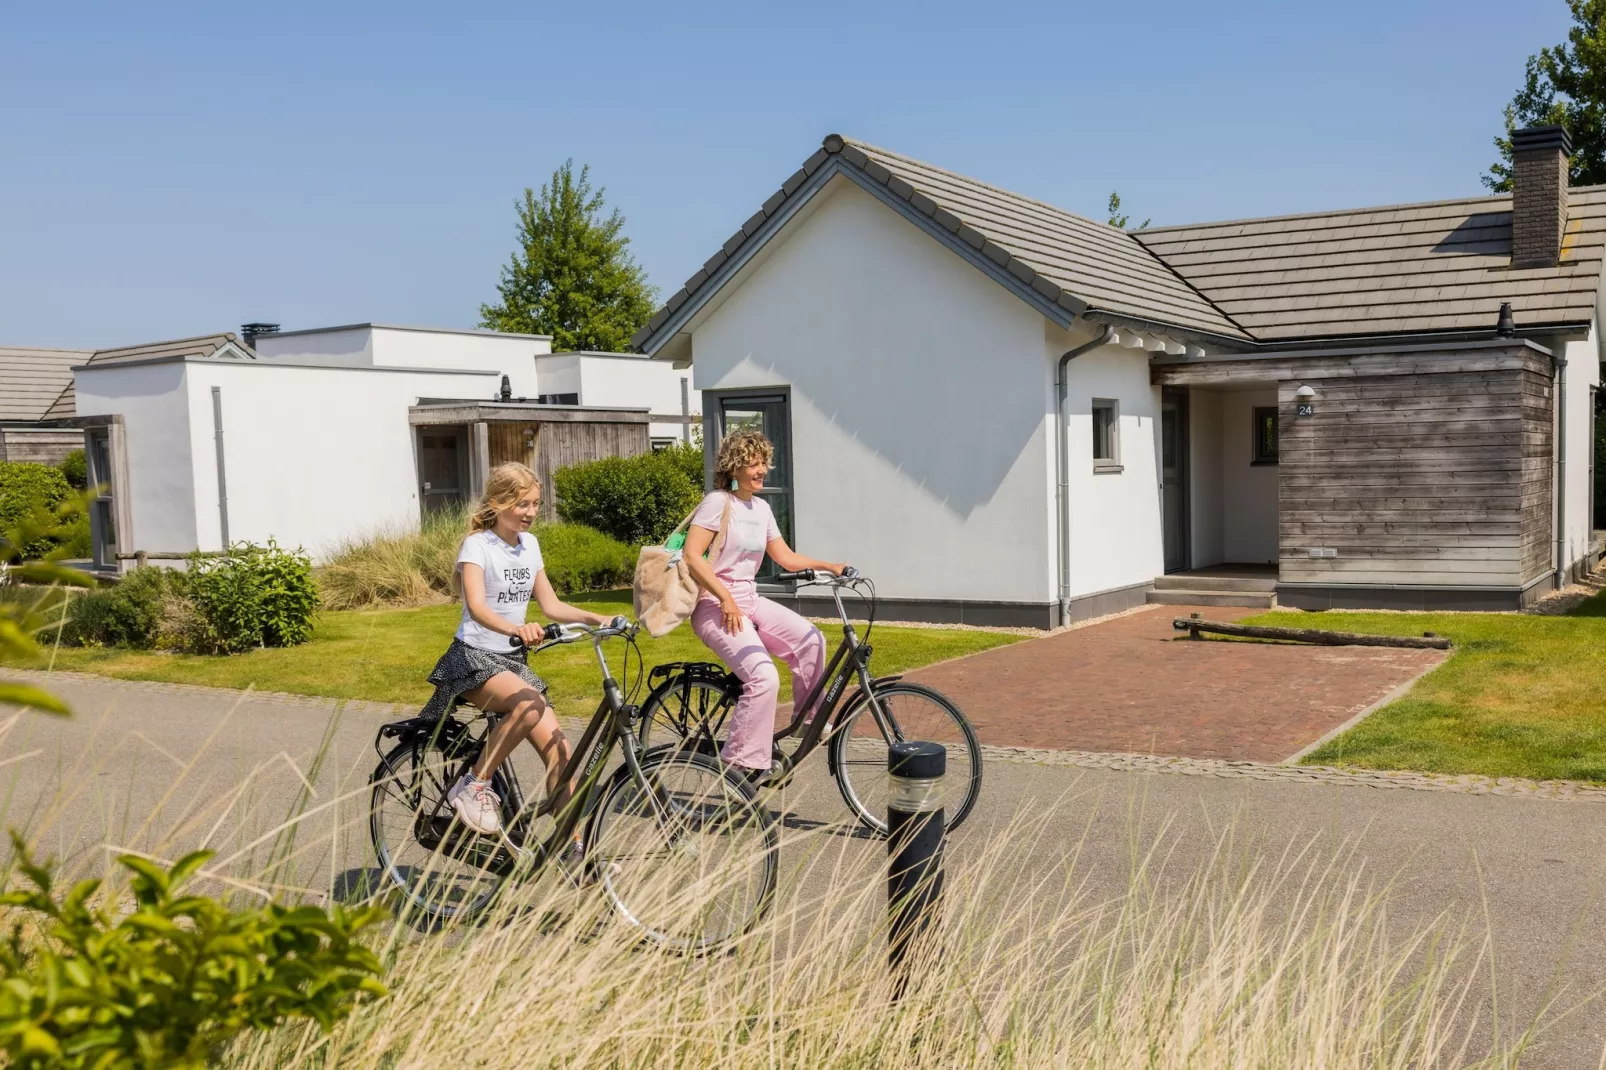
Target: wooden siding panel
(560, 445)
(1418, 477)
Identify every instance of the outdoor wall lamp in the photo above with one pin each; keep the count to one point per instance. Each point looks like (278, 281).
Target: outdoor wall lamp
(1304, 401)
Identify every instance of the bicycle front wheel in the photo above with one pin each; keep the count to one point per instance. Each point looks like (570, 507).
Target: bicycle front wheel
(689, 858)
(909, 712)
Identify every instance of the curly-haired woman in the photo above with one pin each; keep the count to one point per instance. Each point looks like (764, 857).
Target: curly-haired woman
(744, 629)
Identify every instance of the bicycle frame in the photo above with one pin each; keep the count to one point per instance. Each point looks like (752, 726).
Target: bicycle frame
(610, 727)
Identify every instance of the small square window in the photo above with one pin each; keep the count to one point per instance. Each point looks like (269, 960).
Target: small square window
(1106, 436)
(1266, 435)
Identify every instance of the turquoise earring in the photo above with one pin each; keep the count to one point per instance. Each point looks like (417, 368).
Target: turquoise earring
(733, 484)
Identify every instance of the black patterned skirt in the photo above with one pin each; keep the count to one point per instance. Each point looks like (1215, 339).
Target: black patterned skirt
(463, 668)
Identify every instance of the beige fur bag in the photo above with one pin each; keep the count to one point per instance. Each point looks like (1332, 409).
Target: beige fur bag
(664, 591)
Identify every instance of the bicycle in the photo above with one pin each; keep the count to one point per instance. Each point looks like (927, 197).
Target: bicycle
(661, 807)
(690, 702)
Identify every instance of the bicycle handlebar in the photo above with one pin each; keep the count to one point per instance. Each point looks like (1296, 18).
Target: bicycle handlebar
(569, 633)
(810, 575)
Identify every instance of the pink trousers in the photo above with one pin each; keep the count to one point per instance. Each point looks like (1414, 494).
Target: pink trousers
(767, 629)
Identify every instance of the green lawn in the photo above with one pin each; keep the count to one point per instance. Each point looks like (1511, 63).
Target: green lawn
(384, 655)
(1520, 696)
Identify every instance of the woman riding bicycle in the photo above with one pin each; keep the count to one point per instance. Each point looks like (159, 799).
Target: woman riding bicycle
(499, 570)
(730, 617)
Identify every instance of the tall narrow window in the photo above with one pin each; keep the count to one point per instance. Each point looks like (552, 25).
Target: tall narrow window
(767, 413)
(1266, 435)
(1106, 436)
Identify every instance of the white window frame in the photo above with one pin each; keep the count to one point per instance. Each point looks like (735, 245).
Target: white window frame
(1112, 463)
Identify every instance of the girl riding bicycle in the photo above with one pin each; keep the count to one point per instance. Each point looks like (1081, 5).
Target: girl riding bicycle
(499, 570)
(737, 624)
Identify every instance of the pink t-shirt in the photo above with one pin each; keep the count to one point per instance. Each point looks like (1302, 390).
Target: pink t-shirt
(752, 526)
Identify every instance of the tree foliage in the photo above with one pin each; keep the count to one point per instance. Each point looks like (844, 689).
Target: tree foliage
(26, 610)
(1564, 84)
(1119, 219)
(572, 276)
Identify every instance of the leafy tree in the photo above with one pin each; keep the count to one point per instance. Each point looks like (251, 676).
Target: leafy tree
(1564, 84)
(572, 276)
(1118, 219)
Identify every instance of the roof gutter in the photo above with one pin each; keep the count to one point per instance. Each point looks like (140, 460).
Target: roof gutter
(1062, 467)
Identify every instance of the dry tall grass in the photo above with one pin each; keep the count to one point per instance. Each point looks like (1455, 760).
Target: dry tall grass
(395, 568)
(1243, 959)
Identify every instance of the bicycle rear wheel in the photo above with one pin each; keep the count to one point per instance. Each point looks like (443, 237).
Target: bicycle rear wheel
(691, 862)
(443, 870)
(859, 750)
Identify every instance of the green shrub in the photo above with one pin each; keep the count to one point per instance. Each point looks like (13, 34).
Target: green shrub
(578, 558)
(129, 613)
(634, 499)
(75, 470)
(254, 596)
(170, 984)
(26, 488)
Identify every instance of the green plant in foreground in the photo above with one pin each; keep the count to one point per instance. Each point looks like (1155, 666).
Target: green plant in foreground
(21, 620)
(169, 984)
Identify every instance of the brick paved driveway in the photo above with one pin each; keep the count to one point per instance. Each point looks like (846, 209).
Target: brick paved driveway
(1128, 685)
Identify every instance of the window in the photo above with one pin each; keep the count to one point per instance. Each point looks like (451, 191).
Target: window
(1106, 436)
(1265, 435)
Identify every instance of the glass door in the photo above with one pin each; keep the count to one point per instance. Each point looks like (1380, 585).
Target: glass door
(1173, 478)
(767, 414)
(442, 467)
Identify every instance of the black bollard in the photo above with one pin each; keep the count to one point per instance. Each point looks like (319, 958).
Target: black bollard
(915, 828)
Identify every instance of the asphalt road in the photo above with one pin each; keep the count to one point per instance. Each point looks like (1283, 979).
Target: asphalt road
(163, 768)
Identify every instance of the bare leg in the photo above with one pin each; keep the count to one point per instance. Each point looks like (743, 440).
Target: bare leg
(525, 715)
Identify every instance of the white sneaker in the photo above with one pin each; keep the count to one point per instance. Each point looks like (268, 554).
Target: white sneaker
(476, 804)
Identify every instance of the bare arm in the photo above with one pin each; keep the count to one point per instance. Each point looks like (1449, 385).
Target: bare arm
(791, 561)
(698, 540)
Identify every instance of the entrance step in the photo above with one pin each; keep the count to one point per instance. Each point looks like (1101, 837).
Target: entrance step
(1250, 599)
(1195, 581)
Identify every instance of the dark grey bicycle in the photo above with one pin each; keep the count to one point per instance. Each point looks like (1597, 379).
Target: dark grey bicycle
(667, 826)
(690, 703)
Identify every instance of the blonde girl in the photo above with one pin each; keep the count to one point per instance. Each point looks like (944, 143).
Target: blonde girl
(499, 570)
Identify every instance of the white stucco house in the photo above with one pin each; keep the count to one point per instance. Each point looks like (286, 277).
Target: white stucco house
(612, 380)
(1009, 414)
(317, 437)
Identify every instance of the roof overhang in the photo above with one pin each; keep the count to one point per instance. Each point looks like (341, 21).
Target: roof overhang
(1371, 360)
(431, 411)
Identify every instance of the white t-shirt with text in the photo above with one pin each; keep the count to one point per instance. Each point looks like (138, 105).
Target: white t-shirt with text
(509, 580)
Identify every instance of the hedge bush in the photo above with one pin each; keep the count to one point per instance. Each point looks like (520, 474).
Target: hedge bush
(578, 558)
(75, 469)
(255, 596)
(24, 487)
(636, 500)
(129, 613)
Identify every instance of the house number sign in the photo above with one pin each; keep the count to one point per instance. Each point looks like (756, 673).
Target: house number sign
(1305, 408)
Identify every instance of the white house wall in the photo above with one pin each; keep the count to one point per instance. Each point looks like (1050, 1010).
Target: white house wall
(1116, 537)
(351, 347)
(315, 457)
(637, 382)
(920, 401)
(1582, 376)
(1248, 490)
(510, 355)
(152, 400)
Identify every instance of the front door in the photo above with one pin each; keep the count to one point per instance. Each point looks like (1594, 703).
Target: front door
(102, 506)
(766, 413)
(442, 467)
(1174, 478)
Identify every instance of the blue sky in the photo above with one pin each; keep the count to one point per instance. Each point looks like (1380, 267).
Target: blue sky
(168, 170)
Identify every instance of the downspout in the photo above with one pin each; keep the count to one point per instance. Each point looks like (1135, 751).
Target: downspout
(1062, 465)
(222, 480)
(1560, 366)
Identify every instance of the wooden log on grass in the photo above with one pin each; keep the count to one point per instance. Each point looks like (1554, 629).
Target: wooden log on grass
(1193, 626)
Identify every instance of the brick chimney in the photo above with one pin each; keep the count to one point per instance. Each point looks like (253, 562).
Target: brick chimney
(1539, 159)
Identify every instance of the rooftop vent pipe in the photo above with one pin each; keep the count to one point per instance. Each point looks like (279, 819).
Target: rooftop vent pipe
(250, 331)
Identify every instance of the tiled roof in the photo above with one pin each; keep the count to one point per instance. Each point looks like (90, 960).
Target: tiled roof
(203, 346)
(34, 380)
(1440, 266)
